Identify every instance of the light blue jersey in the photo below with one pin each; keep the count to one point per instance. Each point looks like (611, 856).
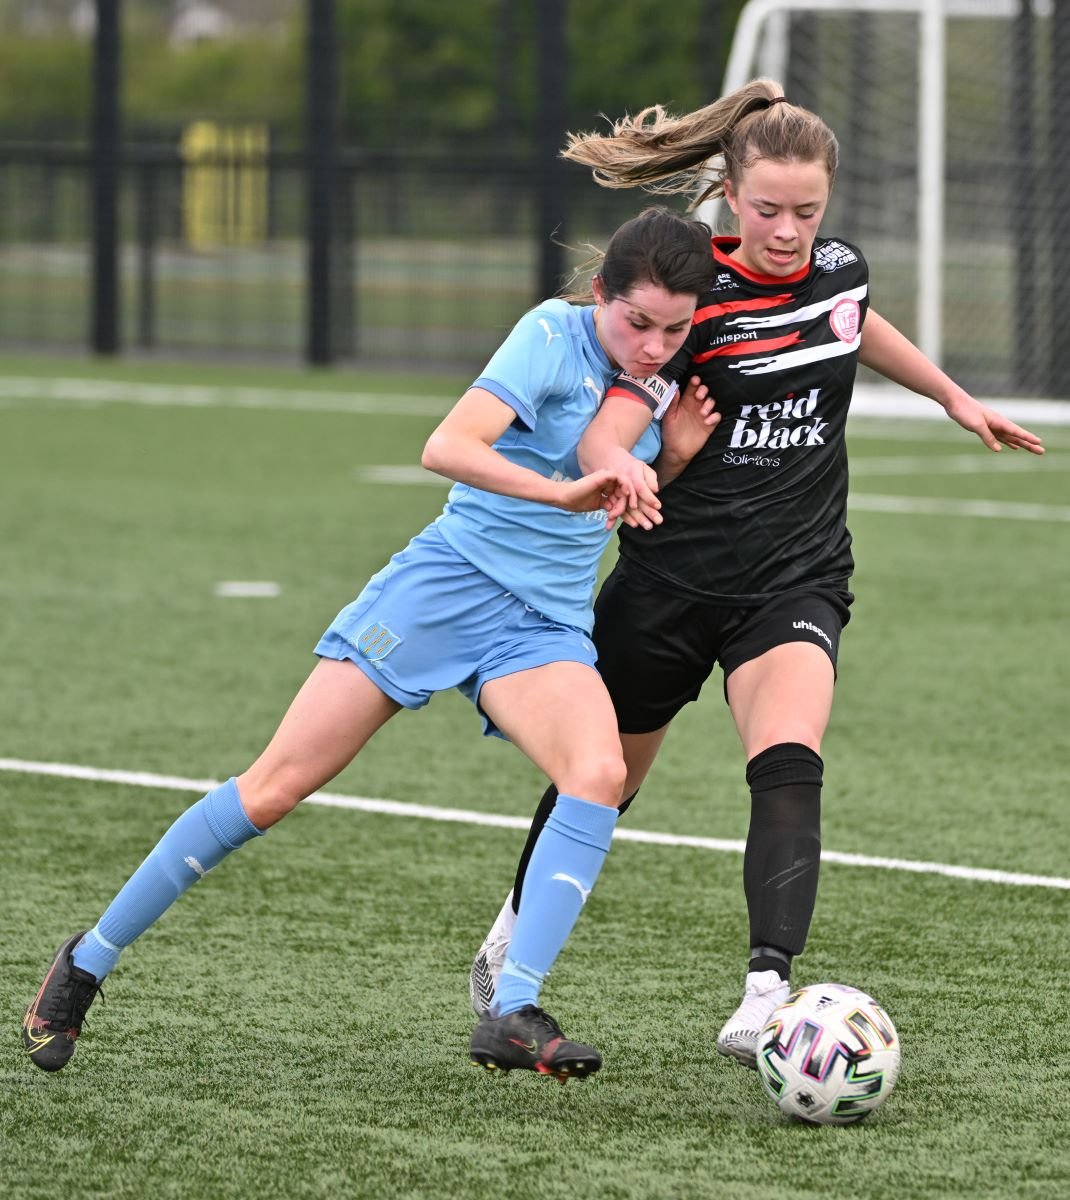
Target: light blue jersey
(552, 371)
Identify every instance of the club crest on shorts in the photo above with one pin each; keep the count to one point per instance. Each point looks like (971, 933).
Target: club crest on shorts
(844, 319)
(376, 642)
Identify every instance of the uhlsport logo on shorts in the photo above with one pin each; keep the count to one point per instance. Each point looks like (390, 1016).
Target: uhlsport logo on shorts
(376, 642)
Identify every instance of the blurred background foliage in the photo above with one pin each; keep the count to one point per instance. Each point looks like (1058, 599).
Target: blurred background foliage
(456, 74)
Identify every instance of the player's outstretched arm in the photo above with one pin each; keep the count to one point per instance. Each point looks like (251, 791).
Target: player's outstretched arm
(891, 354)
(462, 449)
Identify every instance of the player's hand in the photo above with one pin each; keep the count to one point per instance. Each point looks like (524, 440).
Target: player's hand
(634, 498)
(993, 428)
(643, 508)
(689, 421)
(600, 491)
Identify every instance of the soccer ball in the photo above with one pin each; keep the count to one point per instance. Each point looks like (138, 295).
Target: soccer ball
(829, 1055)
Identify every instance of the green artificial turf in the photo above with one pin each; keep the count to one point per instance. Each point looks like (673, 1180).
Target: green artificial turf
(297, 1025)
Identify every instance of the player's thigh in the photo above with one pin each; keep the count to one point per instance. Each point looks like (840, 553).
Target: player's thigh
(783, 695)
(560, 715)
(331, 718)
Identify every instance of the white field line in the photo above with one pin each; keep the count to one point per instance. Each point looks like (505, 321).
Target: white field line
(875, 401)
(243, 589)
(463, 816)
(165, 395)
(869, 400)
(405, 476)
(858, 501)
(890, 400)
(952, 464)
(939, 507)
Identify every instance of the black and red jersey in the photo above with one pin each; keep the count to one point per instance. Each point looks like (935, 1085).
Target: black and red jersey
(762, 508)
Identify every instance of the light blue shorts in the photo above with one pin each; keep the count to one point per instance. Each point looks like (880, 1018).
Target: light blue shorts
(430, 621)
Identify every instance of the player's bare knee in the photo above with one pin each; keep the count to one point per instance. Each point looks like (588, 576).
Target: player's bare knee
(597, 777)
(268, 796)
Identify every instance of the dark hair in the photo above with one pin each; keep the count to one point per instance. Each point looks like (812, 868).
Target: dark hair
(659, 246)
(669, 154)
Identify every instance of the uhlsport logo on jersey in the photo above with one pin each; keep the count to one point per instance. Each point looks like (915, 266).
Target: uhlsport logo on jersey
(792, 421)
(844, 319)
(376, 642)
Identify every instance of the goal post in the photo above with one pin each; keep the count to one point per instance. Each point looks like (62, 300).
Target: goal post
(928, 100)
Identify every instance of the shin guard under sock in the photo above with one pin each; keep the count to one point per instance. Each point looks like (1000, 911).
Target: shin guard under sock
(542, 814)
(199, 840)
(783, 854)
(563, 868)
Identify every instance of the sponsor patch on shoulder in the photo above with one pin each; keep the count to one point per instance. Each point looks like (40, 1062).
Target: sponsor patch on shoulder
(654, 391)
(833, 255)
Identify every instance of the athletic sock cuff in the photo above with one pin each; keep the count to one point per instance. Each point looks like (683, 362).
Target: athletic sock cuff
(584, 821)
(784, 763)
(227, 818)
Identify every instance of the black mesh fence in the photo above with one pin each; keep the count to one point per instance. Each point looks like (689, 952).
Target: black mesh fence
(434, 253)
(432, 257)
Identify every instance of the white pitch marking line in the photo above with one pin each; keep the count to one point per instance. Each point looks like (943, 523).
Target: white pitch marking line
(939, 507)
(860, 501)
(464, 816)
(246, 588)
(406, 476)
(115, 391)
(951, 464)
(892, 401)
(869, 402)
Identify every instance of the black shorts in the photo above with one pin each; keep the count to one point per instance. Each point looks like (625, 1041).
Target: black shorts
(657, 648)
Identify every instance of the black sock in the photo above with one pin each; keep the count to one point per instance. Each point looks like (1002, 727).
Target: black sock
(783, 855)
(770, 958)
(542, 815)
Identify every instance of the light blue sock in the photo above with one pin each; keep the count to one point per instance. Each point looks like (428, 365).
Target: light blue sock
(198, 841)
(563, 867)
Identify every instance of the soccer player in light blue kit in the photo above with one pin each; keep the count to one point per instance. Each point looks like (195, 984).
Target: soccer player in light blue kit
(493, 598)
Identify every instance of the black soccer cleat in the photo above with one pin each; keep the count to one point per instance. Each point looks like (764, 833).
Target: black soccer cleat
(55, 1017)
(531, 1040)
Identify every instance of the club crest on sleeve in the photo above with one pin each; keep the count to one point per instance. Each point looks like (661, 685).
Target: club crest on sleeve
(844, 319)
(376, 642)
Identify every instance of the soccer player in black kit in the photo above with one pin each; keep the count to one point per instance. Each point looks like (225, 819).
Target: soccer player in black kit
(751, 565)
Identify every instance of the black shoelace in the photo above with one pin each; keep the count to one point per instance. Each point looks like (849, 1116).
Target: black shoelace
(544, 1018)
(73, 1000)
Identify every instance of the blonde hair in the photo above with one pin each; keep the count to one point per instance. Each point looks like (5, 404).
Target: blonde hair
(668, 154)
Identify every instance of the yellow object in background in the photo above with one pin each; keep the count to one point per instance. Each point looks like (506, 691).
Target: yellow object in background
(224, 184)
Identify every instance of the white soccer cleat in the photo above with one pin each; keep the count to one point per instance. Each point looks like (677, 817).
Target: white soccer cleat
(490, 958)
(738, 1039)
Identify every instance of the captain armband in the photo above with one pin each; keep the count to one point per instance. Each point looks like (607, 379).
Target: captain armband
(655, 391)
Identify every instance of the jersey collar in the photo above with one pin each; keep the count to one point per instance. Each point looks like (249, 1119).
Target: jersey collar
(587, 316)
(722, 249)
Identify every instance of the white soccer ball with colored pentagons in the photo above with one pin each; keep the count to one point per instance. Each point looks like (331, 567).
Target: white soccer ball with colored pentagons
(829, 1055)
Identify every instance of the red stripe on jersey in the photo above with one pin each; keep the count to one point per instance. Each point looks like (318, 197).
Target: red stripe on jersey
(734, 306)
(759, 347)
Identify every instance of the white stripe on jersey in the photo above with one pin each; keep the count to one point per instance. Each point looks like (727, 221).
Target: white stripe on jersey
(794, 358)
(798, 314)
